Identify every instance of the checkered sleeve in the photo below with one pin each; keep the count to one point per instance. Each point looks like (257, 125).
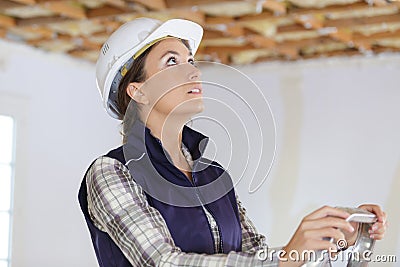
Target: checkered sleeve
(251, 239)
(118, 206)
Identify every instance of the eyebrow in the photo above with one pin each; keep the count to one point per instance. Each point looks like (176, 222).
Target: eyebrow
(174, 53)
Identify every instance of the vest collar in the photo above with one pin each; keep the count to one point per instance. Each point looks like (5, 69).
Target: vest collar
(144, 143)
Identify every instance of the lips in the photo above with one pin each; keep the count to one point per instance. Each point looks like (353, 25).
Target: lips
(195, 91)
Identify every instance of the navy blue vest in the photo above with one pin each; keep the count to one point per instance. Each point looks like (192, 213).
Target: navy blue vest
(211, 188)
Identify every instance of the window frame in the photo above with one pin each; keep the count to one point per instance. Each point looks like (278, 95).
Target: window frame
(16, 107)
(10, 210)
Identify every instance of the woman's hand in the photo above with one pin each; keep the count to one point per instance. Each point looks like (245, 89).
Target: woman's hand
(324, 222)
(378, 229)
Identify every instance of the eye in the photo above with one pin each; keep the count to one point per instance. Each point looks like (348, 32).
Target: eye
(171, 61)
(191, 61)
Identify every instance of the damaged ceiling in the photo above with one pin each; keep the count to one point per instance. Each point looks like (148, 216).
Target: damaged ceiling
(236, 32)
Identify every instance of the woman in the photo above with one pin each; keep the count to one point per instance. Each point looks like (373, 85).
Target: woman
(148, 203)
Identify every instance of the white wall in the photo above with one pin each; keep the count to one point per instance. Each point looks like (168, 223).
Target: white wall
(337, 141)
(337, 144)
(64, 129)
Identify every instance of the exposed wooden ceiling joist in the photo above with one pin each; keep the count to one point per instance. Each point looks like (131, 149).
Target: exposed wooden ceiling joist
(236, 32)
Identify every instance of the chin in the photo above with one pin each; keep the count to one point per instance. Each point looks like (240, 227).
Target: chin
(197, 107)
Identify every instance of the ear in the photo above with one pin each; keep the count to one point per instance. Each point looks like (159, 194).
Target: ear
(133, 90)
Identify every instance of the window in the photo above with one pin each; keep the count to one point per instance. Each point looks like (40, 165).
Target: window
(7, 147)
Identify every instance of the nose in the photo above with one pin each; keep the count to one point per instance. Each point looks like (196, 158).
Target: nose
(195, 74)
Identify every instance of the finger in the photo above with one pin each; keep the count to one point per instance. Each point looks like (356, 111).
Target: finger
(327, 211)
(320, 234)
(332, 222)
(381, 216)
(377, 228)
(354, 225)
(325, 245)
(319, 244)
(377, 236)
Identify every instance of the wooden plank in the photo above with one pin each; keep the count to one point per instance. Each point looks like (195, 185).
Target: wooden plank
(225, 49)
(153, 4)
(378, 2)
(32, 33)
(5, 4)
(40, 20)
(288, 52)
(250, 55)
(225, 41)
(186, 3)
(230, 9)
(261, 41)
(329, 9)
(43, 1)
(306, 42)
(84, 54)
(230, 29)
(363, 12)
(26, 2)
(218, 20)
(260, 16)
(117, 3)
(361, 9)
(89, 45)
(371, 29)
(382, 49)
(3, 33)
(297, 35)
(338, 53)
(110, 25)
(323, 48)
(209, 34)
(372, 37)
(43, 31)
(66, 8)
(321, 4)
(314, 21)
(275, 6)
(342, 34)
(189, 14)
(6, 21)
(77, 27)
(289, 28)
(361, 21)
(105, 11)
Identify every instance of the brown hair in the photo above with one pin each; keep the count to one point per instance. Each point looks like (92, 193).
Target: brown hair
(136, 73)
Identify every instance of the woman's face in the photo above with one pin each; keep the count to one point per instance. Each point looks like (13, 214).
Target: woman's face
(172, 85)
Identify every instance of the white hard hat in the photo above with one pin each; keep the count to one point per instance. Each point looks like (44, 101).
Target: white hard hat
(118, 52)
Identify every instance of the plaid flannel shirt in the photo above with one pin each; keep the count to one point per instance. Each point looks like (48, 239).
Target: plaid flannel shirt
(118, 206)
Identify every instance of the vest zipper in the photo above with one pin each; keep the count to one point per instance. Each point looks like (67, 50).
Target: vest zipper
(221, 248)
